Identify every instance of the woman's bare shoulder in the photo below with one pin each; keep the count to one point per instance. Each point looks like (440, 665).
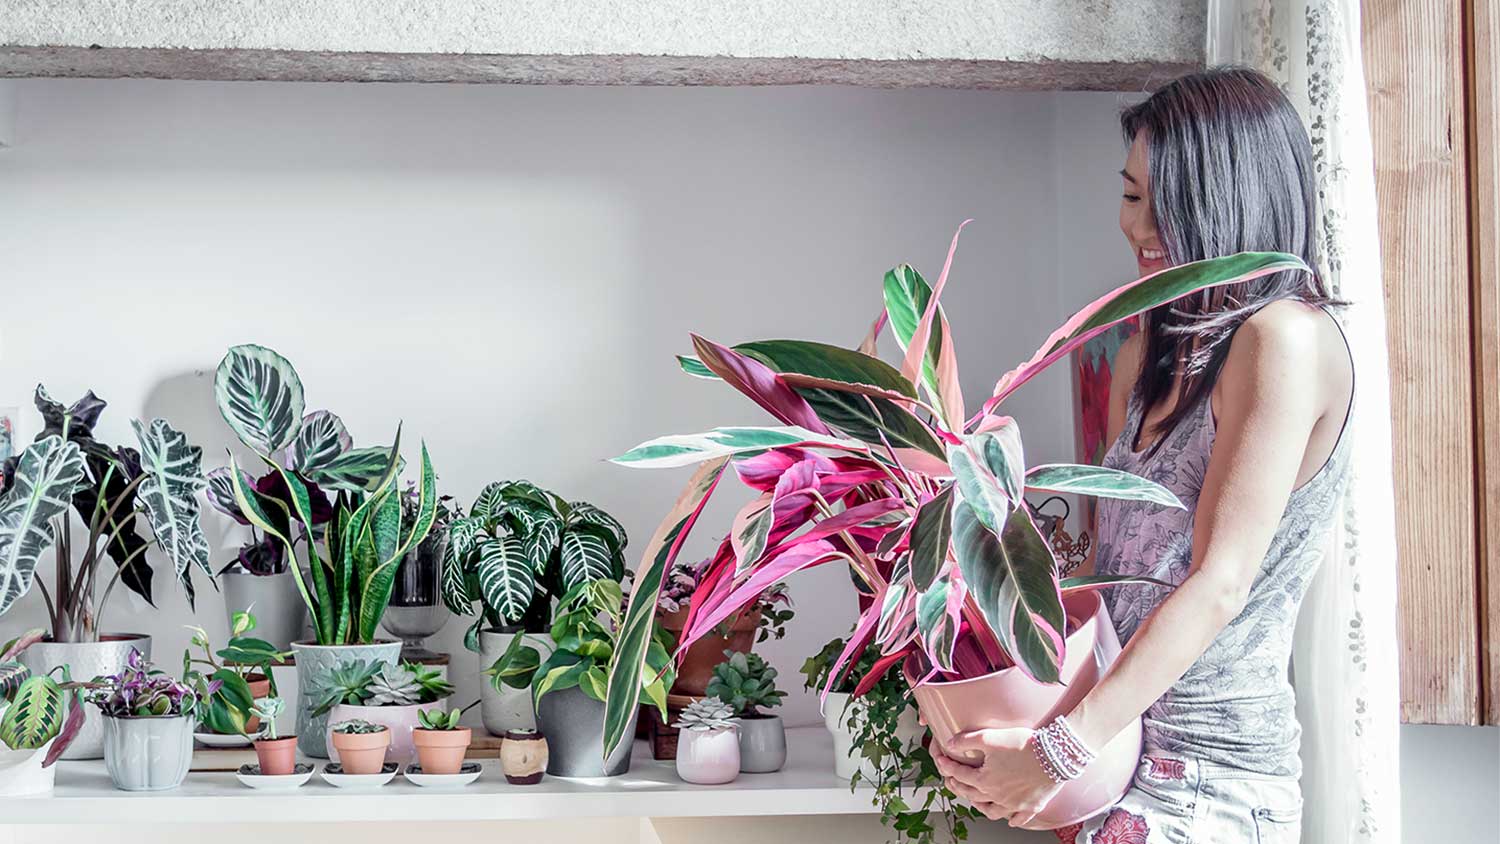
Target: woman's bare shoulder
(1290, 341)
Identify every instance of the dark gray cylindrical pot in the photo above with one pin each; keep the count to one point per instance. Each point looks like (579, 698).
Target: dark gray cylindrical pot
(273, 599)
(85, 661)
(573, 723)
(762, 744)
(149, 753)
(313, 662)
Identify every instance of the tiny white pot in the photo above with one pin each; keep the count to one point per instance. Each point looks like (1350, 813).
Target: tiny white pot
(400, 720)
(846, 757)
(21, 771)
(708, 757)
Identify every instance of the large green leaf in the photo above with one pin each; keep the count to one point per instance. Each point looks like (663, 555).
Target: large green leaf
(1013, 580)
(46, 477)
(321, 438)
(35, 716)
(990, 472)
(586, 556)
(490, 501)
(464, 536)
(260, 396)
(174, 477)
(939, 627)
(906, 298)
(506, 580)
(1082, 479)
(319, 607)
(356, 470)
(584, 513)
(931, 533)
(687, 449)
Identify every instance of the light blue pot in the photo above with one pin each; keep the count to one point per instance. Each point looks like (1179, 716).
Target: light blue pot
(313, 663)
(148, 753)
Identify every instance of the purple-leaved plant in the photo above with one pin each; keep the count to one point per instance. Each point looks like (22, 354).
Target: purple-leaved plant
(142, 691)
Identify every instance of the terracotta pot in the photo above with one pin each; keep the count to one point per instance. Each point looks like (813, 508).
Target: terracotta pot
(362, 753)
(697, 665)
(1011, 699)
(278, 756)
(401, 721)
(260, 687)
(523, 757)
(441, 751)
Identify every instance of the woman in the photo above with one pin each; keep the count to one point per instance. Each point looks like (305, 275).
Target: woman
(1236, 400)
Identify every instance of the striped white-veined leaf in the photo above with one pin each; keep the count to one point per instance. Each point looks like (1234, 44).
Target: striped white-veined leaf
(1079, 479)
(490, 501)
(174, 475)
(464, 535)
(221, 492)
(321, 438)
(586, 556)
(990, 471)
(893, 609)
(356, 470)
(687, 449)
(260, 396)
(46, 478)
(541, 540)
(505, 577)
(584, 513)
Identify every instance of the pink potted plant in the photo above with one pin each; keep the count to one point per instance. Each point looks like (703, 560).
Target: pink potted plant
(885, 471)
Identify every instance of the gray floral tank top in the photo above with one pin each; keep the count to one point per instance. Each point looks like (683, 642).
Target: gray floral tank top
(1235, 705)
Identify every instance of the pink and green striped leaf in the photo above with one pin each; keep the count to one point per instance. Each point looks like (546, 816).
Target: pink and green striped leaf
(1099, 481)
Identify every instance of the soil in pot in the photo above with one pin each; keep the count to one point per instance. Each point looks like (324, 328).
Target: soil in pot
(697, 666)
(277, 756)
(441, 751)
(362, 753)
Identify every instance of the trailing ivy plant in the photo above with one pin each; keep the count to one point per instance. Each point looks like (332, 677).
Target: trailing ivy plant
(520, 547)
(230, 704)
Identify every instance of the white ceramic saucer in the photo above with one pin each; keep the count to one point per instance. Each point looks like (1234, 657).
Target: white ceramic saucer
(251, 776)
(467, 773)
(221, 740)
(333, 774)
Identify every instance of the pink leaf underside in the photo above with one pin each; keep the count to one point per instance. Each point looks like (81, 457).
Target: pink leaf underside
(858, 641)
(707, 476)
(69, 731)
(760, 383)
(871, 344)
(1012, 380)
(911, 367)
(847, 520)
(713, 584)
(762, 471)
(792, 560)
(813, 382)
(24, 641)
(922, 463)
(950, 394)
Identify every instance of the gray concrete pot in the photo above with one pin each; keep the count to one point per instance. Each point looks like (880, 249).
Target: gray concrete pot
(762, 744)
(314, 661)
(573, 723)
(274, 601)
(85, 661)
(508, 709)
(148, 753)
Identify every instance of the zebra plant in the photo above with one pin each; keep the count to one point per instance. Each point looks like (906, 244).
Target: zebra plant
(521, 546)
(353, 544)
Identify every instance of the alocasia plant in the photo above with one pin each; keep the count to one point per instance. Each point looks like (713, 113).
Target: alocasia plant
(879, 468)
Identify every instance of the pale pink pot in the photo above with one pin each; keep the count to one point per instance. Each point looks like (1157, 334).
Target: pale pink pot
(708, 757)
(1011, 699)
(400, 720)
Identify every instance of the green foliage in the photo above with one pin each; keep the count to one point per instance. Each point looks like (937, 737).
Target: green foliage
(357, 727)
(746, 682)
(229, 705)
(267, 709)
(35, 715)
(440, 719)
(373, 683)
(347, 682)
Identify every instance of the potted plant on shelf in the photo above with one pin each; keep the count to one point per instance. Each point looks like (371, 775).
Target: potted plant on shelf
(148, 725)
(39, 718)
(360, 745)
(259, 576)
(380, 693)
(569, 687)
(440, 741)
(113, 491)
(765, 618)
(523, 756)
(519, 548)
(844, 714)
(747, 683)
(882, 470)
(352, 543)
(243, 677)
(276, 753)
(417, 610)
(708, 747)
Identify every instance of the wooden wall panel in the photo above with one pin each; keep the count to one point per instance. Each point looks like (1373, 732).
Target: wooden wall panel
(1412, 51)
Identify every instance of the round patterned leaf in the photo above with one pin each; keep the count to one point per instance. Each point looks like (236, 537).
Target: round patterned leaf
(321, 438)
(260, 396)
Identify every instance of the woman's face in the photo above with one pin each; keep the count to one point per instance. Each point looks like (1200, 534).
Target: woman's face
(1137, 220)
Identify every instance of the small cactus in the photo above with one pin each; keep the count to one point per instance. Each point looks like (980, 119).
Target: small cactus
(709, 713)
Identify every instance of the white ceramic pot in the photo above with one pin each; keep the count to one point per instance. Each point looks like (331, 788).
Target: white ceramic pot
(85, 661)
(21, 771)
(150, 753)
(708, 757)
(400, 720)
(846, 757)
(314, 661)
(508, 709)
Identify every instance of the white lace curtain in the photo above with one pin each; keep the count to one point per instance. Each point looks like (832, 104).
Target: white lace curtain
(1345, 657)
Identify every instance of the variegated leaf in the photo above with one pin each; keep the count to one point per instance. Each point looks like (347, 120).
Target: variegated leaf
(687, 449)
(936, 624)
(174, 476)
(464, 536)
(260, 396)
(931, 534)
(356, 470)
(541, 540)
(35, 716)
(489, 502)
(45, 478)
(586, 557)
(1099, 481)
(221, 492)
(321, 438)
(505, 577)
(584, 513)
(990, 471)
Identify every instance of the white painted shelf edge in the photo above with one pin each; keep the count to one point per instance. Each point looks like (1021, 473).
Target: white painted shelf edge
(806, 786)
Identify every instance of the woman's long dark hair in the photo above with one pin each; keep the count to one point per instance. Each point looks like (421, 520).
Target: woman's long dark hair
(1231, 170)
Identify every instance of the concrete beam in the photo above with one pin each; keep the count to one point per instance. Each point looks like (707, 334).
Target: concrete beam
(1025, 44)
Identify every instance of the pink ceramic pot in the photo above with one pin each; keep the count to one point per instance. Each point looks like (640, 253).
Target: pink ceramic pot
(1011, 699)
(708, 757)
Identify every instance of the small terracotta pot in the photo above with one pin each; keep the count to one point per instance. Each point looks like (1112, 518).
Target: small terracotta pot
(697, 665)
(277, 756)
(260, 687)
(523, 756)
(362, 753)
(441, 751)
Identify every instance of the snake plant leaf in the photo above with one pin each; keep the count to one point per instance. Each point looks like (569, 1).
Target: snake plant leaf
(1013, 579)
(586, 556)
(931, 534)
(356, 470)
(45, 478)
(627, 667)
(584, 513)
(506, 580)
(174, 477)
(320, 607)
(321, 438)
(392, 545)
(35, 716)
(464, 536)
(687, 449)
(1081, 479)
(989, 471)
(260, 397)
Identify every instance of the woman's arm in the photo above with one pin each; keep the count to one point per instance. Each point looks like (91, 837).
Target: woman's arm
(1270, 401)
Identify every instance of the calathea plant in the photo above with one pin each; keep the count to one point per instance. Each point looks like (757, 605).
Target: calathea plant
(36, 710)
(520, 547)
(108, 488)
(362, 533)
(882, 470)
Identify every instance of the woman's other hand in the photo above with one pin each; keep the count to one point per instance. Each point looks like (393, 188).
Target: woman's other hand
(1008, 784)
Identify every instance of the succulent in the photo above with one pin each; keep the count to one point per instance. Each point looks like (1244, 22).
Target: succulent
(266, 709)
(402, 685)
(347, 682)
(357, 726)
(746, 683)
(708, 713)
(439, 719)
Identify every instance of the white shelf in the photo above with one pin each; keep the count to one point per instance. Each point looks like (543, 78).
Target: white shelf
(806, 786)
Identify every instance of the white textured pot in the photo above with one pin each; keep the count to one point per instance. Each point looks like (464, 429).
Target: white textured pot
(85, 661)
(274, 601)
(400, 720)
(150, 753)
(846, 757)
(21, 771)
(314, 661)
(708, 757)
(509, 709)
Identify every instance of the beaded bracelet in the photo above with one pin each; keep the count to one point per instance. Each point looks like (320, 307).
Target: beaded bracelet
(1060, 752)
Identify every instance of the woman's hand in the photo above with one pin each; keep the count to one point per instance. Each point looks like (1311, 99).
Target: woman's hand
(1008, 784)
